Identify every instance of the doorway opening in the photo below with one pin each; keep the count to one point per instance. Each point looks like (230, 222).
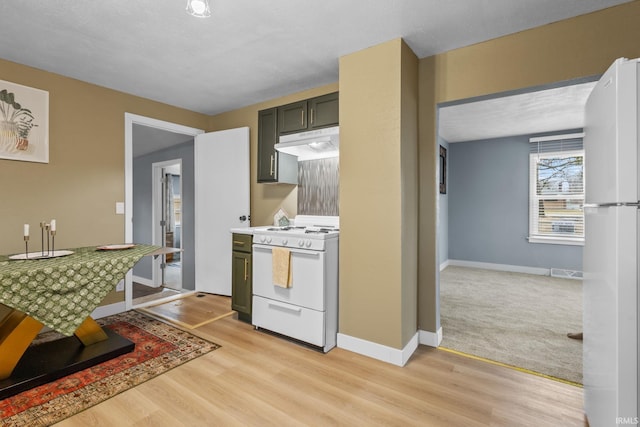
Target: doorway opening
(167, 223)
(483, 229)
(159, 208)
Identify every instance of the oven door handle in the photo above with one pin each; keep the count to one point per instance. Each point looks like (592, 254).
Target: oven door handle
(285, 306)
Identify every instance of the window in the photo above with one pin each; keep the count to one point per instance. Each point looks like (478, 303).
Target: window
(557, 192)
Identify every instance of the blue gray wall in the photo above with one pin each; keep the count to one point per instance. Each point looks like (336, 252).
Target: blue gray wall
(143, 208)
(488, 206)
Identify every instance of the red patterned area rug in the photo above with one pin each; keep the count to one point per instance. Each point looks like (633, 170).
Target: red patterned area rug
(159, 348)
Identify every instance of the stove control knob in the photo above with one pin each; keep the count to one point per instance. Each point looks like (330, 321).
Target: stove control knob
(285, 241)
(308, 243)
(263, 239)
(301, 243)
(268, 239)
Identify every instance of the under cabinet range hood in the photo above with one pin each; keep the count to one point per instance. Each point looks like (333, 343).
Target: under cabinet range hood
(311, 145)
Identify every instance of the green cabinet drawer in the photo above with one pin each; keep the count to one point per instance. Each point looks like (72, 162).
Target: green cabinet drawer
(242, 242)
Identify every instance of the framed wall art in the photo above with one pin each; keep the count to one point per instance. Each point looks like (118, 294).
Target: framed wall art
(24, 123)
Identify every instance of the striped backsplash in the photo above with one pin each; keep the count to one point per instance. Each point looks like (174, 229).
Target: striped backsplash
(318, 185)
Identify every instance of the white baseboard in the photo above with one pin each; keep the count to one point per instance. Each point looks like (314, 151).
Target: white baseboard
(144, 281)
(432, 339)
(108, 310)
(444, 265)
(500, 267)
(398, 357)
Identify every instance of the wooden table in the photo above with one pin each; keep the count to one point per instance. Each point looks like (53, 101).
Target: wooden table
(60, 293)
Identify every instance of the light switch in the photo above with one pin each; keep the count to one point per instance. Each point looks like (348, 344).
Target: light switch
(120, 208)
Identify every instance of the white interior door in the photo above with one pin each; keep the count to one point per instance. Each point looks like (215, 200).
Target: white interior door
(221, 203)
(163, 275)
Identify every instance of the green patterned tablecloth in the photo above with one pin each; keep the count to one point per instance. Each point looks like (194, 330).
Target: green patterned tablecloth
(62, 292)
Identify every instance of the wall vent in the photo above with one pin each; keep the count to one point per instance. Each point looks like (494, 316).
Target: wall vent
(566, 274)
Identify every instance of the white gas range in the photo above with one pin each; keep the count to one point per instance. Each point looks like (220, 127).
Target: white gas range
(307, 310)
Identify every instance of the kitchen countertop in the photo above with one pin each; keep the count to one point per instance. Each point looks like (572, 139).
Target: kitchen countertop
(244, 230)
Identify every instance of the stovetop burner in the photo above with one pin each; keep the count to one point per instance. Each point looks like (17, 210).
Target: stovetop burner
(320, 230)
(285, 228)
(308, 237)
(302, 229)
(317, 231)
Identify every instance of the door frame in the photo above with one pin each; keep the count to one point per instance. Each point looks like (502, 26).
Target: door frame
(157, 169)
(129, 120)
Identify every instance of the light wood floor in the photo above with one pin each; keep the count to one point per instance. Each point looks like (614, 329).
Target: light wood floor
(257, 379)
(191, 311)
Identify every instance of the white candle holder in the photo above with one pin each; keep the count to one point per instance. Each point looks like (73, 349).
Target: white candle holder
(50, 231)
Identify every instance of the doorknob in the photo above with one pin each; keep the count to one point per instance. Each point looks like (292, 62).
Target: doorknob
(243, 218)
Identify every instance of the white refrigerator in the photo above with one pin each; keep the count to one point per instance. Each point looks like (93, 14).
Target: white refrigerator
(610, 263)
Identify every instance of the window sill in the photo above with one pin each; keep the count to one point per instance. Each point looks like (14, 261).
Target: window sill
(577, 241)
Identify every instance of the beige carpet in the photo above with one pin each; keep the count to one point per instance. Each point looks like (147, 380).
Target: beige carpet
(516, 319)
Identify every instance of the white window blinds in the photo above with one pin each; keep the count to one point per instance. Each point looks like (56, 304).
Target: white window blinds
(556, 189)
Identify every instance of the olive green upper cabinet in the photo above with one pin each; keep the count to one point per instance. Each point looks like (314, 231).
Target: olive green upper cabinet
(292, 117)
(310, 114)
(267, 138)
(273, 167)
(323, 111)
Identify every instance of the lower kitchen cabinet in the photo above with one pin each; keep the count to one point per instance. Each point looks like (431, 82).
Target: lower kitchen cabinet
(241, 270)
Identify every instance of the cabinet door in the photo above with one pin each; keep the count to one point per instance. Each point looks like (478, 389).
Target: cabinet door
(323, 111)
(292, 117)
(241, 294)
(267, 138)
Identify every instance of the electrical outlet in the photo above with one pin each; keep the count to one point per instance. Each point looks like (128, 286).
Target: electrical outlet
(120, 286)
(120, 208)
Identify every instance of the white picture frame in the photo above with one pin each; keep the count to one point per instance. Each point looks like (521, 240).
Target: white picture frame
(24, 123)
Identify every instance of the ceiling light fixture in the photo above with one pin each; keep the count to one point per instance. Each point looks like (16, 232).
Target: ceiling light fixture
(198, 8)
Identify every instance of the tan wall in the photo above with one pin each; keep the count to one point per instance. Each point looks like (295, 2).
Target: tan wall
(409, 185)
(372, 185)
(85, 174)
(578, 47)
(266, 199)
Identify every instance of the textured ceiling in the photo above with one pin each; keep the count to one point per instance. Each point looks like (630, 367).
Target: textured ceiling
(523, 114)
(248, 51)
(555, 109)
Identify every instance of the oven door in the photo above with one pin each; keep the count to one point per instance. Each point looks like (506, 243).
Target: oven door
(297, 322)
(307, 284)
